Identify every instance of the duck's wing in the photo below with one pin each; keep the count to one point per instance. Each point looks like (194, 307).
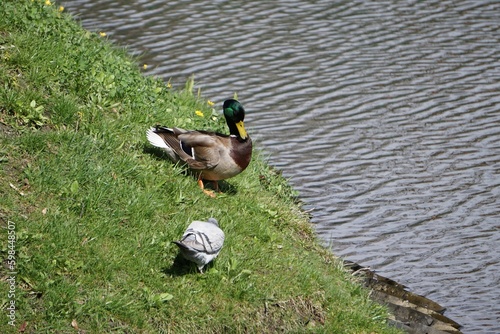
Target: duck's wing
(205, 148)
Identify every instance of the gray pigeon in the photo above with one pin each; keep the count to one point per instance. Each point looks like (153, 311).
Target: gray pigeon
(202, 242)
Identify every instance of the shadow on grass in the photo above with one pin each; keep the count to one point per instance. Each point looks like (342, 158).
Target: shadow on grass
(156, 152)
(224, 187)
(161, 155)
(181, 267)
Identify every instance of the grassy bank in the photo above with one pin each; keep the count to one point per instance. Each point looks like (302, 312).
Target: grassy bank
(94, 208)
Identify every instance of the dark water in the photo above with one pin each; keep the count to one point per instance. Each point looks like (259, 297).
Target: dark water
(385, 115)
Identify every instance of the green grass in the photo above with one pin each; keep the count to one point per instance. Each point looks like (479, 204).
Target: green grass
(95, 207)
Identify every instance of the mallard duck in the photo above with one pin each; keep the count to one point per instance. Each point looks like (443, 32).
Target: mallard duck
(212, 156)
(202, 242)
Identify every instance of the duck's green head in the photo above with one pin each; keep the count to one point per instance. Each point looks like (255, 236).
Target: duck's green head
(235, 114)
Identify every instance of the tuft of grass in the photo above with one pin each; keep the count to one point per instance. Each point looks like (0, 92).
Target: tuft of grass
(94, 208)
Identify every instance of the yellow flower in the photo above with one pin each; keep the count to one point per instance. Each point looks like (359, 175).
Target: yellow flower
(145, 66)
(210, 103)
(199, 113)
(169, 85)
(48, 3)
(102, 34)
(61, 8)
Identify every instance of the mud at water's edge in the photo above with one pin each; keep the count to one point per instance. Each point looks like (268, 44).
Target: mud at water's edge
(412, 313)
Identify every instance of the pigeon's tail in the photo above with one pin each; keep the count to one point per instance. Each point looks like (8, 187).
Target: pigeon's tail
(182, 246)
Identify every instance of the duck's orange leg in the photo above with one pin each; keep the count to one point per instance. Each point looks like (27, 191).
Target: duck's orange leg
(202, 186)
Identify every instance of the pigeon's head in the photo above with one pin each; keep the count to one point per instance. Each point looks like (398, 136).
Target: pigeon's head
(213, 221)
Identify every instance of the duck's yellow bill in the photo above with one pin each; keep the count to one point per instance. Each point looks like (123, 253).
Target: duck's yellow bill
(241, 130)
